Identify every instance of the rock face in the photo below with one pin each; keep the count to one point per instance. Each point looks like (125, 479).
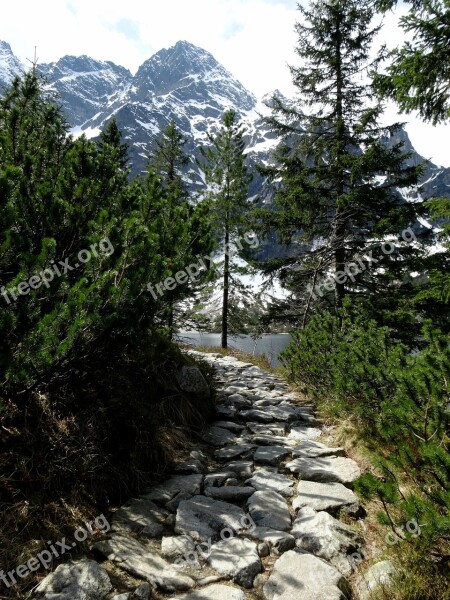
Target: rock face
(232, 521)
(298, 576)
(81, 580)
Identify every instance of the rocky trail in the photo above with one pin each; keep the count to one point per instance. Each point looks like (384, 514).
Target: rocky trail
(255, 512)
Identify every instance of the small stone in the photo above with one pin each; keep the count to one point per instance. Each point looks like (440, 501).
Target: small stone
(280, 541)
(256, 415)
(214, 592)
(189, 466)
(302, 433)
(239, 401)
(217, 479)
(263, 549)
(142, 592)
(154, 530)
(311, 449)
(233, 451)
(330, 497)
(198, 455)
(164, 492)
(234, 427)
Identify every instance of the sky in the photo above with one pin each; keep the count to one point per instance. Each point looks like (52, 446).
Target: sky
(253, 39)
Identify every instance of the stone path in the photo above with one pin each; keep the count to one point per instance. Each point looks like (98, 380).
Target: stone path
(253, 513)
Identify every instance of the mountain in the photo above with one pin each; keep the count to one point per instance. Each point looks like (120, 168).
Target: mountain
(184, 83)
(10, 66)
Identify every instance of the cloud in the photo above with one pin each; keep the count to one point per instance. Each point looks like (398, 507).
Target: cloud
(253, 39)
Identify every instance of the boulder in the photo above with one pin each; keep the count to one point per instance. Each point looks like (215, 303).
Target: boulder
(191, 380)
(80, 580)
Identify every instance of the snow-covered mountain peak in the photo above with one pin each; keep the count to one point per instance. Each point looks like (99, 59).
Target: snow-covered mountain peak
(10, 65)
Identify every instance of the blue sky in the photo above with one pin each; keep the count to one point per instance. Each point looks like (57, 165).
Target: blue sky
(253, 39)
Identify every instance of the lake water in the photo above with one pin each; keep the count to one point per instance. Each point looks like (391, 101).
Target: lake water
(271, 344)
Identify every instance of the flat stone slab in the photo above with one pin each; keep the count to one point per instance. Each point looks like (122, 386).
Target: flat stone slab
(255, 414)
(137, 514)
(268, 439)
(311, 449)
(173, 547)
(186, 484)
(242, 468)
(218, 478)
(330, 497)
(270, 455)
(324, 536)
(230, 425)
(188, 467)
(230, 493)
(298, 576)
(142, 562)
(277, 429)
(216, 436)
(203, 518)
(81, 580)
(301, 433)
(236, 559)
(215, 592)
(327, 469)
(281, 541)
(239, 401)
(227, 412)
(269, 509)
(233, 451)
(263, 480)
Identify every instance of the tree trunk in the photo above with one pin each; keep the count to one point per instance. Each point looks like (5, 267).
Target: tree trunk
(226, 280)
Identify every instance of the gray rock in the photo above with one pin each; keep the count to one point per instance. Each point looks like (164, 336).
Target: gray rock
(270, 455)
(267, 439)
(311, 449)
(330, 497)
(326, 469)
(142, 592)
(173, 547)
(236, 559)
(278, 429)
(230, 493)
(297, 576)
(203, 518)
(125, 596)
(301, 433)
(187, 484)
(142, 562)
(175, 502)
(198, 455)
(239, 401)
(233, 451)
(214, 592)
(154, 530)
(80, 580)
(191, 380)
(269, 509)
(137, 514)
(234, 427)
(379, 575)
(326, 537)
(189, 466)
(233, 389)
(255, 414)
(227, 412)
(280, 541)
(218, 478)
(263, 549)
(266, 480)
(216, 436)
(242, 468)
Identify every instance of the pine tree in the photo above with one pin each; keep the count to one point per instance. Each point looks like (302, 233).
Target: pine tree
(170, 161)
(419, 74)
(228, 180)
(338, 171)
